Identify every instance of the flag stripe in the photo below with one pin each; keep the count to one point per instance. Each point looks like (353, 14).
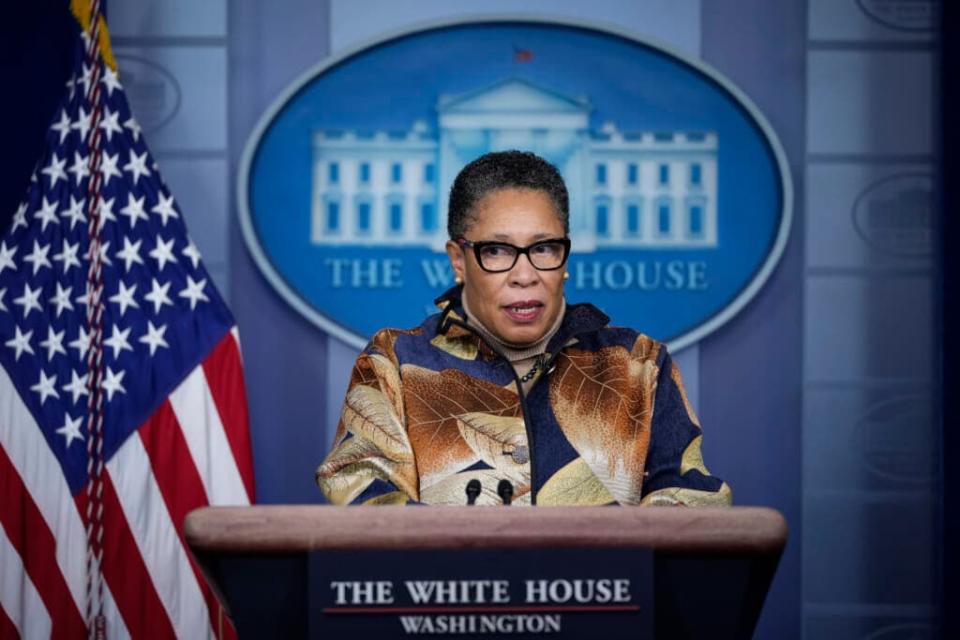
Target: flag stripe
(18, 595)
(223, 369)
(156, 538)
(24, 524)
(204, 434)
(116, 630)
(31, 457)
(179, 483)
(126, 574)
(7, 628)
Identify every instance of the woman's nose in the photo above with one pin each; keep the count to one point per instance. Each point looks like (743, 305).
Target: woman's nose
(523, 272)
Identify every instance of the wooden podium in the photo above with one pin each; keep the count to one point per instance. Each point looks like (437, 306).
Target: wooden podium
(324, 571)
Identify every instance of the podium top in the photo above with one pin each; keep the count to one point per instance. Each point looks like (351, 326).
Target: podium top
(293, 528)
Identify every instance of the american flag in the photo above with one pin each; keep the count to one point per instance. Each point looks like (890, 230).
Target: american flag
(81, 549)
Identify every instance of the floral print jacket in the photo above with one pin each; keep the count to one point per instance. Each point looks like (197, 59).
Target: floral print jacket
(429, 409)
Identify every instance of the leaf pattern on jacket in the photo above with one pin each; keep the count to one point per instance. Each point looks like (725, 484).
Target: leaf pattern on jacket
(493, 439)
(369, 414)
(465, 349)
(574, 484)
(673, 496)
(394, 497)
(603, 401)
(433, 401)
(354, 464)
(452, 490)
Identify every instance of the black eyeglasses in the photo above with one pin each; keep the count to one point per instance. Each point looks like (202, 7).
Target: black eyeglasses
(496, 257)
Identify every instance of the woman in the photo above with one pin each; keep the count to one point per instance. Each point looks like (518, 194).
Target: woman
(508, 383)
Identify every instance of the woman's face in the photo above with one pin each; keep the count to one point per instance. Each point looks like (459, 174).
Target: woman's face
(521, 304)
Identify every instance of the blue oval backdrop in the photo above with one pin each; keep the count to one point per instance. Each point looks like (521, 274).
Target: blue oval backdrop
(680, 194)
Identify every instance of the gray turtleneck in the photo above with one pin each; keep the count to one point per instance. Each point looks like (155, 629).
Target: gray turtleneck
(521, 356)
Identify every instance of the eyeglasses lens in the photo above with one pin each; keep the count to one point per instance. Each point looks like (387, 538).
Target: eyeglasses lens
(502, 257)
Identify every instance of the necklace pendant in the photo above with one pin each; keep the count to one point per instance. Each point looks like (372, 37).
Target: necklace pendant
(520, 454)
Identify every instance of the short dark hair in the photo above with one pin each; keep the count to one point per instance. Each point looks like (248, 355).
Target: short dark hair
(503, 170)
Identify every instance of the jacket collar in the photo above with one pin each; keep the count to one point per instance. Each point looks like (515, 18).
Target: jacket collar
(579, 318)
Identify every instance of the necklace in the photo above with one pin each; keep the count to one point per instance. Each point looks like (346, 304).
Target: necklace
(533, 370)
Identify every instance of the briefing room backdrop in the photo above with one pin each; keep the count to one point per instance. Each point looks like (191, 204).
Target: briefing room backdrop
(818, 398)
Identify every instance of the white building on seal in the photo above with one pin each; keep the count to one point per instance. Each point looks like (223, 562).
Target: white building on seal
(627, 188)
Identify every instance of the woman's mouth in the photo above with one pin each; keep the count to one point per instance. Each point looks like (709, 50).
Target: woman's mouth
(524, 310)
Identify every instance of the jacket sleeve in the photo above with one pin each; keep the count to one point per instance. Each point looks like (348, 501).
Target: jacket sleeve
(675, 471)
(371, 461)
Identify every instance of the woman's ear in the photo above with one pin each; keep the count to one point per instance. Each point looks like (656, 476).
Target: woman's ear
(455, 253)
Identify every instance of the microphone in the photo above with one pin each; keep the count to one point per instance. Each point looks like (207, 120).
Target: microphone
(505, 491)
(473, 490)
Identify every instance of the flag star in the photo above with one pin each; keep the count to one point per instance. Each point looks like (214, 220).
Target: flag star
(134, 127)
(85, 78)
(54, 170)
(81, 344)
(20, 217)
(54, 343)
(45, 387)
(38, 257)
(87, 296)
(74, 213)
(79, 168)
(6, 256)
(104, 257)
(134, 210)
(109, 123)
(108, 167)
(29, 300)
(113, 382)
(165, 209)
(47, 213)
(137, 166)
(124, 297)
(71, 84)
(118, 341)
(62, 298)
(71, 429)
(3, 294)
(154, 337)
(194, 292)
(110, 80)
(68, 255)
(77, 386)
(20, 342)
(158, 295)
(82, 124)
(105, 211)
(191, 252)
(130, 253)
(163, 253)
(62, 126)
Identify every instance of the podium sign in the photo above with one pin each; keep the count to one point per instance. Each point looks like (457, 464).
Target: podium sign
(390, 572)
(564, 593)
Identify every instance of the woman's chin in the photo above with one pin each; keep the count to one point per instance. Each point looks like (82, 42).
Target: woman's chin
(522, 334)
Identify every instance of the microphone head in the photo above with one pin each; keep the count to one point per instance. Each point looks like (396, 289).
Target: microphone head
(505, 491)
(473, 490)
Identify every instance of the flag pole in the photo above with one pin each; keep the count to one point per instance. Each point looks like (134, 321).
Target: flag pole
(92, 69)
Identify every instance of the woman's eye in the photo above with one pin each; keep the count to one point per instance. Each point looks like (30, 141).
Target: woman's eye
(546, 249)
(496, 251)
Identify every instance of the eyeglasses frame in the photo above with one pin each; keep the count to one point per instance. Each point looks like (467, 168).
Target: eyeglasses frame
(479, 246)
